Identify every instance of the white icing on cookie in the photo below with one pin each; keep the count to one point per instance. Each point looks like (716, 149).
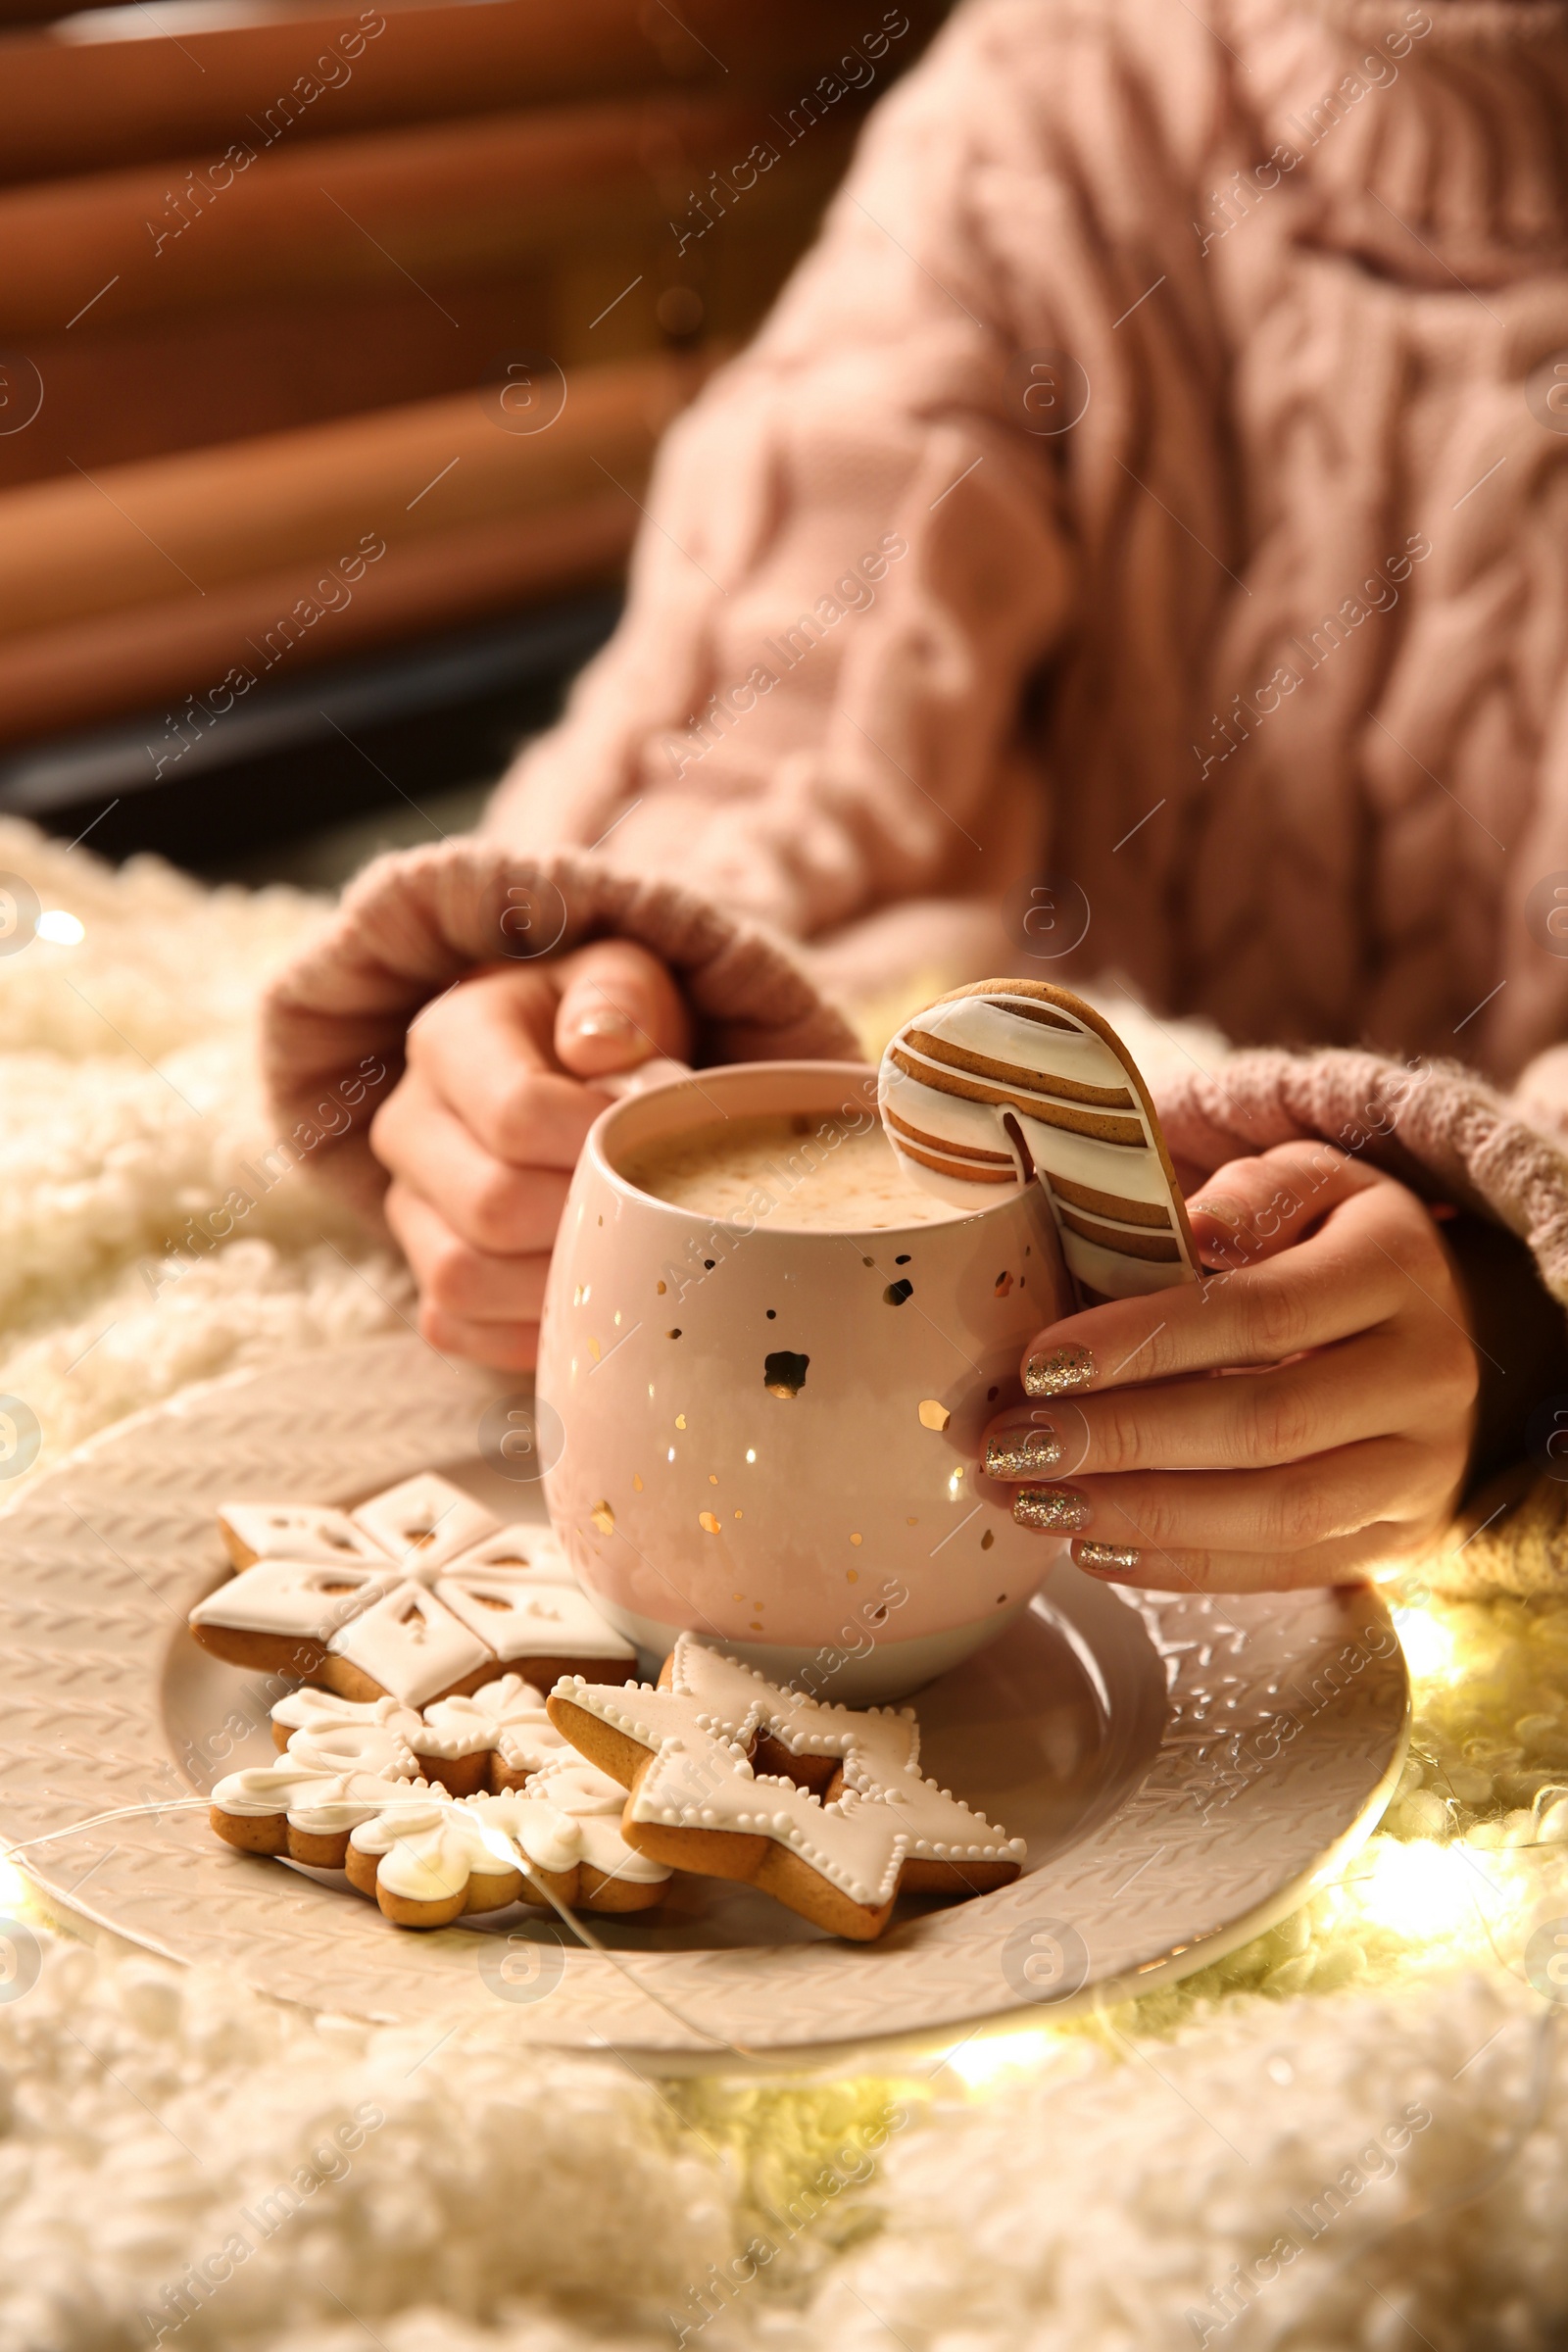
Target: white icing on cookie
(507, 1716)
(575, 1809)
(312, 1711)
(521, 1548)
(429, 1848)
(701, 1729)
(965, 1083)
(411, 1645)
(296, 1531)
(307, 1600)
(525, 1616)
(320, 1798)
(378, 1748)
(425, 1522)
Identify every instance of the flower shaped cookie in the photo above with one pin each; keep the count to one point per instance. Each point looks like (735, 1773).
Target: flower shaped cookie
(350, 1793)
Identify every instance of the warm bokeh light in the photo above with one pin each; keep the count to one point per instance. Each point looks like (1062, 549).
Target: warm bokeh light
(1430, 1650)
(62, 929)
(1421, 1890)
(980, 2064)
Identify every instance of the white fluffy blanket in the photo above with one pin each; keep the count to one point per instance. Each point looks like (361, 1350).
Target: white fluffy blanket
(1353, 2133)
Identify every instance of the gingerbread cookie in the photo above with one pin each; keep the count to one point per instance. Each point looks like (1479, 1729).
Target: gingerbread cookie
(820, 1806)
(427, 1859)
(357, 1788)
(280, 1616)
(425, 1596)
(302, 1806)
(494, 1741)
(425, 1522)
(295, 1531)
(497, 1739)
(1008, 1080)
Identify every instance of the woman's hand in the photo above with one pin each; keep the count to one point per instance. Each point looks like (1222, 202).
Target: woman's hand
(482, 1132)
(1343, 1436)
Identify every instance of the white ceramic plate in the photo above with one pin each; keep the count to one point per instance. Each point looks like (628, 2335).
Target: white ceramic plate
(1184, 1769)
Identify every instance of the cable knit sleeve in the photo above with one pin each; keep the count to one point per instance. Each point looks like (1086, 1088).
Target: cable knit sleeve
(1452, 1137)
(851, 565)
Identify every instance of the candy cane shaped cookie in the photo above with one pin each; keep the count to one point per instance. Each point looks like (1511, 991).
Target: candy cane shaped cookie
(1009, 1080)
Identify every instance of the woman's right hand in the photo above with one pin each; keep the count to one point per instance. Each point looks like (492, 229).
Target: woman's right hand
(482, 1132)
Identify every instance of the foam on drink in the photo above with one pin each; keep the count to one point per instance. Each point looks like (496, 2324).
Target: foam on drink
(820, 1173)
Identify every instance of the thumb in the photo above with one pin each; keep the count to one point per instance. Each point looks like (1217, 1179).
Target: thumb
(620, 1007)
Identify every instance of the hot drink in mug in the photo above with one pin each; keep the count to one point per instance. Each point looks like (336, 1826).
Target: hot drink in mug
(771, 1353)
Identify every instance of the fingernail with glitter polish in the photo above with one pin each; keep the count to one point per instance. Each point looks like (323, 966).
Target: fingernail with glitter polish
(1106, 1559)
(1055, 1510)
(1060, 1371)
(1025, 1451)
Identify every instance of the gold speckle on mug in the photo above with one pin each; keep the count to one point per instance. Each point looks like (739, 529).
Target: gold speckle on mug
(582, 1294)
(851, 1575)
(617, 1318)
(751, 1453)
(680, 1420)
(754, 1627)
(988, 1539)
(934, 1414)
(603, 1518)
(661, 1289)
(955, 1482)
(1001, 1286)
(593, 1349)
(713, 1478)
(857, 1538)
(637, 1483)
(740, 1514)
(674, 1335)
(707, 1523)
(738, 1596)
(911, 1523)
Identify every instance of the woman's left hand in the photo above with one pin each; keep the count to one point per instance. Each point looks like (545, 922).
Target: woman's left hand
(1341, 1441)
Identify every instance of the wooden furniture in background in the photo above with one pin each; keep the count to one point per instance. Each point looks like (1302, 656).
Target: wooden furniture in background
(264, 267)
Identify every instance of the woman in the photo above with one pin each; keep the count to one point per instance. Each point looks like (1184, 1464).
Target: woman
(1138, 533)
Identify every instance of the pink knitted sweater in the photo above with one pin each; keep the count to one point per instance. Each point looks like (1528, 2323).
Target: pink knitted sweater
(1153, 487)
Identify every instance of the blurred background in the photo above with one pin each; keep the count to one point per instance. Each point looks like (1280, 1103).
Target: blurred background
(334, 347)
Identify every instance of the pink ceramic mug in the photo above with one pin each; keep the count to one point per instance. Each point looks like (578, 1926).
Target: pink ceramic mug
(768, 1433)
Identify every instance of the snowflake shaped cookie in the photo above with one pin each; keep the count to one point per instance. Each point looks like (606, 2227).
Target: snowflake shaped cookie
(418, 1595)
(820, 1806)
(393, 1796)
